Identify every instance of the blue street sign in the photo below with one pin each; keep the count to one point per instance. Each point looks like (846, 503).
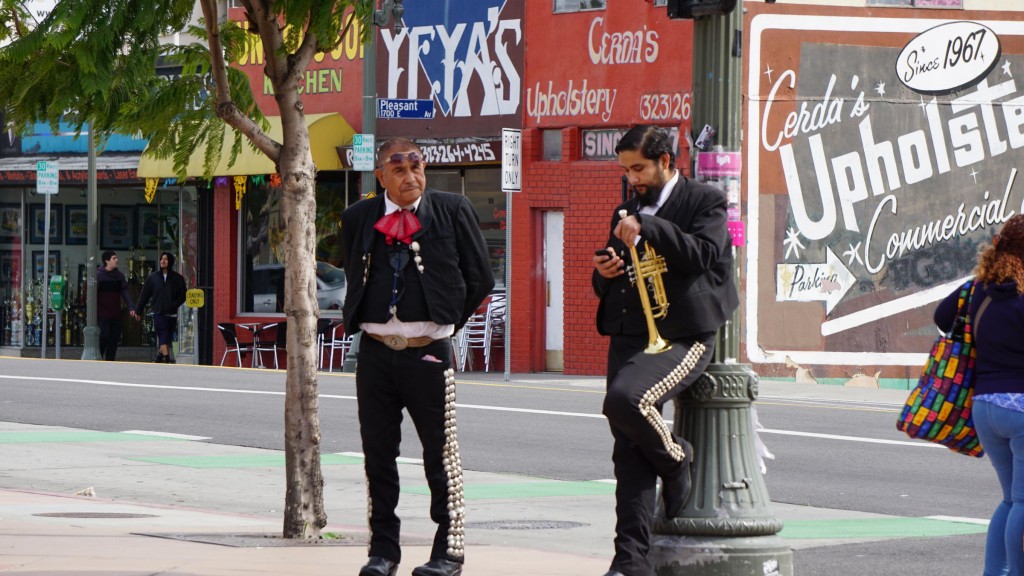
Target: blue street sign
(395, 108)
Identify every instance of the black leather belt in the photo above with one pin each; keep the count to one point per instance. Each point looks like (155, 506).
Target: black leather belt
(396, 342)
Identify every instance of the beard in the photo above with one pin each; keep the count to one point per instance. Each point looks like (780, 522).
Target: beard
(649, 197)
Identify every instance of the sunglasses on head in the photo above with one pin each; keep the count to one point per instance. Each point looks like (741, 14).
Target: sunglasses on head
(399, 157)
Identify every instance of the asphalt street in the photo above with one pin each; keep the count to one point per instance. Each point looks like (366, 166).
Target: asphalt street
(832, 451)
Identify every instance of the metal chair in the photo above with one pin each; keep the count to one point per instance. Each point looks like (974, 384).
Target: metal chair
(474, 335)
(280, 341)
(326, 329)
(338, 340)
(232, 344)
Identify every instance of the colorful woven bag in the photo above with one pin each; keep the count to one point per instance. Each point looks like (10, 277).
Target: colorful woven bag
(939, 407)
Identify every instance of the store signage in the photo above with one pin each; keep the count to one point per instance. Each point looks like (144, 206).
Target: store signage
(195, 298)
(511, 160)
(600, 144)
(47, 177)
(362, 152)
(948, 57)
(403, 108)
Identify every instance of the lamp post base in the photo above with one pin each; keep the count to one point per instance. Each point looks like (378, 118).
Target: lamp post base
(91, 341)
(721, 556)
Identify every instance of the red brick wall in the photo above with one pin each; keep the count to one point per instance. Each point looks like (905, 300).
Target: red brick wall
(586, 192)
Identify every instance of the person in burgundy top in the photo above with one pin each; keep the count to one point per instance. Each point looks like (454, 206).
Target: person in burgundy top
(997, 313)
(111, 290)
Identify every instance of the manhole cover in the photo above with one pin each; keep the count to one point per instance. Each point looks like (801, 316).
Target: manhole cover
(524, 525)
(94, 515)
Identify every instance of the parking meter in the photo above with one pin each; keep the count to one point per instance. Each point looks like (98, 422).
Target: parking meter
(56, 291)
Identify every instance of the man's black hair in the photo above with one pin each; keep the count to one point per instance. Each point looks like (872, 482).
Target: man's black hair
(170, 259)
(650, 141)
(107, 255)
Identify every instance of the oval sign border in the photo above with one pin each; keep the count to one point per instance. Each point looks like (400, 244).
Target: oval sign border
(974, 80)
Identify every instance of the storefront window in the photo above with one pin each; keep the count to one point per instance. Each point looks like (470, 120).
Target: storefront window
(11, 306)
(483, 188)
(262, 247)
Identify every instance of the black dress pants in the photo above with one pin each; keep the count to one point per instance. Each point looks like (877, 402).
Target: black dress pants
(110, 336)
(422, 381)
(645, 448)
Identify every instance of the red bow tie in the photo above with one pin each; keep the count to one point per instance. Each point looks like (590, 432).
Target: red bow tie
(399, 225)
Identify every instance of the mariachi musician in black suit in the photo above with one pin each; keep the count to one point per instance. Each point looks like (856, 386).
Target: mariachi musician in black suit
(417, 268)
(683, 222)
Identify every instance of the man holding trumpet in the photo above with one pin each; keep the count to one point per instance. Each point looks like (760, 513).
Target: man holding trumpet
(672, 238)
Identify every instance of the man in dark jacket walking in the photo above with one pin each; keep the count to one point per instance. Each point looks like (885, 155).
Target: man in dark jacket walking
(111, 289)
(166, 288)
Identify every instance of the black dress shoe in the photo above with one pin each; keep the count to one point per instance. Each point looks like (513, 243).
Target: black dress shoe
(379, 566)
(438, 567)
(613, 573)
(676, 489)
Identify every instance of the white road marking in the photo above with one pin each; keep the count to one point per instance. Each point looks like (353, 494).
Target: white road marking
(166, 435)
(959, 519)
(921, 444)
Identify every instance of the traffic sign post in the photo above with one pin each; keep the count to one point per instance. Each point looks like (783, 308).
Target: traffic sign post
(511, 160)
(47, 184)
(363, 152)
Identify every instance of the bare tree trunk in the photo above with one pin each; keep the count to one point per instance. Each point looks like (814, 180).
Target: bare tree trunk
(304, 514)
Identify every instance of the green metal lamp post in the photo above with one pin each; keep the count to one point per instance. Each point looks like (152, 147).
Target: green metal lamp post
(727, 527)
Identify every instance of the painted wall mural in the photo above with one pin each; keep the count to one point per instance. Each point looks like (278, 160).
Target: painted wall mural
(883, 147)
(333, 81)
(465, 55)
(627, 64)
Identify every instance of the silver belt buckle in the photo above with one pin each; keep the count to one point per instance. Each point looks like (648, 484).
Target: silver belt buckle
(396, 342)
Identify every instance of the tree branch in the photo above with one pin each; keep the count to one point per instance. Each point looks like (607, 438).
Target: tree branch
(226, 108)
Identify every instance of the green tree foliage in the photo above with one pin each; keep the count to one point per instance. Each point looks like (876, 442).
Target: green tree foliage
(95, 61)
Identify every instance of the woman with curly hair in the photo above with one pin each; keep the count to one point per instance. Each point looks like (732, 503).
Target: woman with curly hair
(999, 385)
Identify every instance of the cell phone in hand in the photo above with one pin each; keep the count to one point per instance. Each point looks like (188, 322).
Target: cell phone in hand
(602, 252)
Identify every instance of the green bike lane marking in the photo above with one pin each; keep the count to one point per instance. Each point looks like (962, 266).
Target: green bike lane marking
(77, 436)
(894, 527)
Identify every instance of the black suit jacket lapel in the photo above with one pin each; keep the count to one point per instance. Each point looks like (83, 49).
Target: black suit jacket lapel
(425, 214)
(375, 209)
(670, 209)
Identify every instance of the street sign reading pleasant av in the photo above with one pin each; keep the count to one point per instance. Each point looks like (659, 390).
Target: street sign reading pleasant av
(400, 108)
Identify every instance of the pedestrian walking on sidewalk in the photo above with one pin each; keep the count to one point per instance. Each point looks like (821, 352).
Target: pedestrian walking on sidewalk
(166, 288)
(685, 223)
(417, 268)
(998, 410)
(111, 290)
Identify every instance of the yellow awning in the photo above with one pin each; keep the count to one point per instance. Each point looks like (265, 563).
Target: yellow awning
(326, 133)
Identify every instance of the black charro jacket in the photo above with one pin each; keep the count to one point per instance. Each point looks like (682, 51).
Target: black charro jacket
(690, 231)
(456, 269)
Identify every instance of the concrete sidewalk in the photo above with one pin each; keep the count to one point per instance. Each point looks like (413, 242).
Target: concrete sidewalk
(185, 508)
(114, 539)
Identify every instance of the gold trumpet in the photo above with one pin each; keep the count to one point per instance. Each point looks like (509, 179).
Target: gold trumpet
(650, 268)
